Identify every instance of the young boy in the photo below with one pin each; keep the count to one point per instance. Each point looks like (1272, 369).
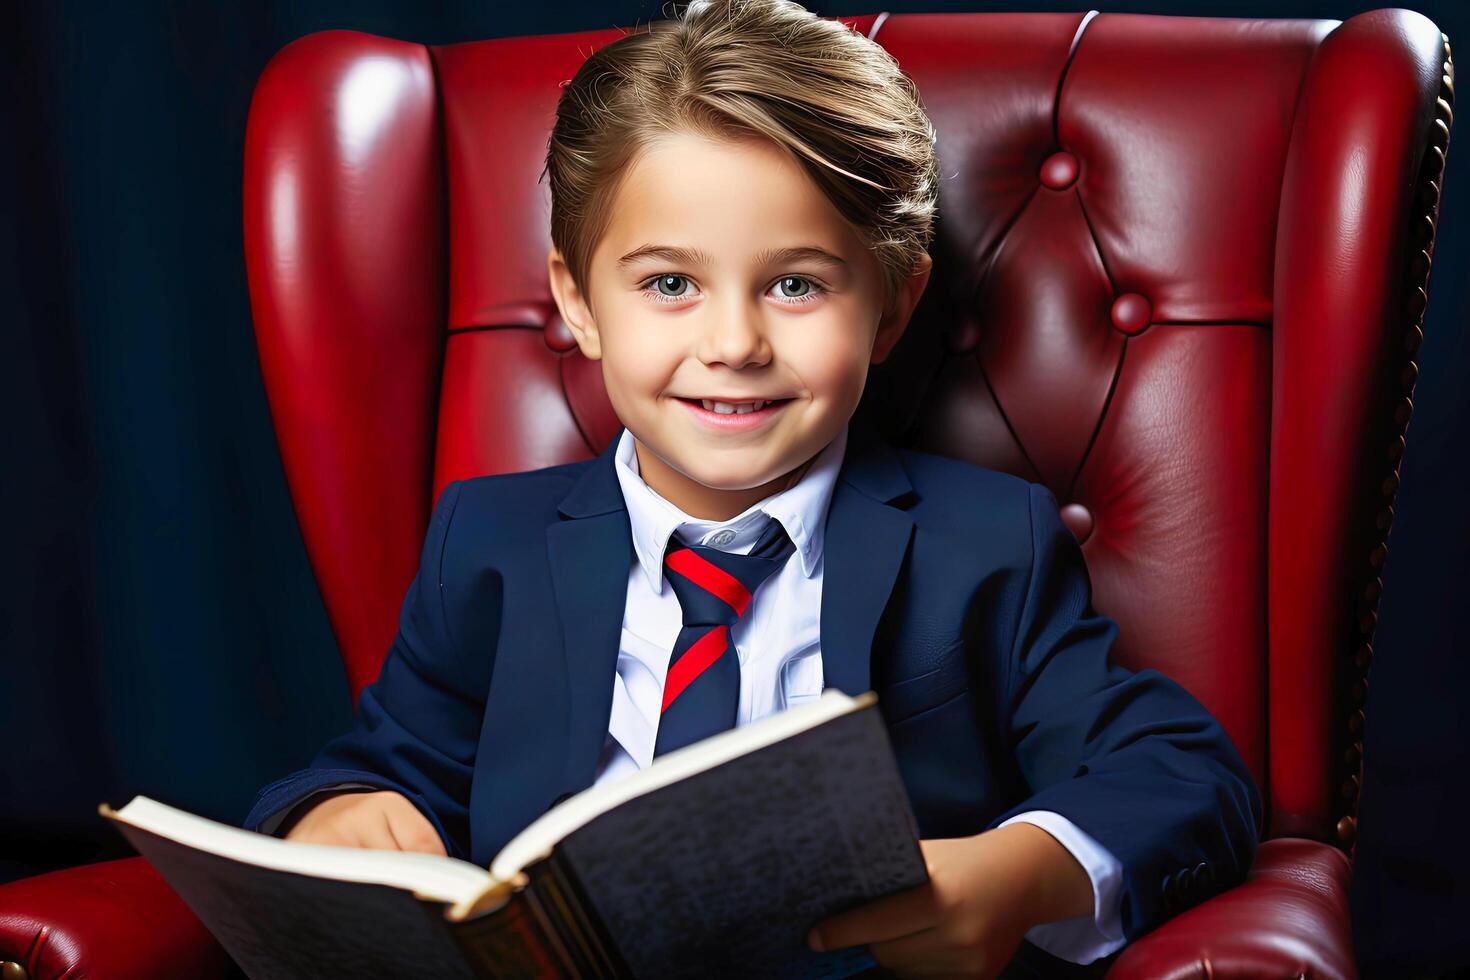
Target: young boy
(742, 200)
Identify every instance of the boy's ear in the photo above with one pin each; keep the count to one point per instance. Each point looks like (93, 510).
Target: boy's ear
(571, 302)
(900, 309)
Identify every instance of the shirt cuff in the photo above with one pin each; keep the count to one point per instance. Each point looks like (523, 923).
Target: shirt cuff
(270, 824)
(1084, 938)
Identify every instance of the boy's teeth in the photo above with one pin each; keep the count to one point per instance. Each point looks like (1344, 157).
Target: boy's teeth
(729, 408)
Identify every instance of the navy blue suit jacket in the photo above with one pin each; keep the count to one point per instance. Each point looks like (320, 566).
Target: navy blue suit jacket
(953, 591)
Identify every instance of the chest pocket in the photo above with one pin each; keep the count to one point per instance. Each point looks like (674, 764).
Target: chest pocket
(909, 696)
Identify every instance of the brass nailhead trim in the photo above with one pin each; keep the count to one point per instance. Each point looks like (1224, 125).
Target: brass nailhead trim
(1418, 300)
(1423, 226)
(1363, 656)
(1419, 267)
(1439, 132)
(1413, 338)
(1367, 619)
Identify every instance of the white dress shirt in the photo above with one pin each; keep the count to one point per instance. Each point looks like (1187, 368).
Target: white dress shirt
(778, 644)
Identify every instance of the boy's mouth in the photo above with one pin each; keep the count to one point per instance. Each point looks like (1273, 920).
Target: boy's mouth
(727, 415)
(733, 407)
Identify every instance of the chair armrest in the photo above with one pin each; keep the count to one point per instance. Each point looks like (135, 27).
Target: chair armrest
(1289, 918)
(114, 919)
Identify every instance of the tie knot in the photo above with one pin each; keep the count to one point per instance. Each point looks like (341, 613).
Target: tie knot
(714, 587)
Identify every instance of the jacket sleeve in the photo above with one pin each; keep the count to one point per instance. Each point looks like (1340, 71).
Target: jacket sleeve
(1131, 758)
(416, 727)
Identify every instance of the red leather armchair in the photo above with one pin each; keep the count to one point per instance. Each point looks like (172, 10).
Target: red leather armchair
(1181, 272)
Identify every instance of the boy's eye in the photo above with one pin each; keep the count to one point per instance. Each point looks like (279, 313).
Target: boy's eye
(794, 287)
(670, 286)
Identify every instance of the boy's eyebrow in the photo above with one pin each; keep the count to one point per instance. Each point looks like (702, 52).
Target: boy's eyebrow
(694, 256)
(669, 253)
(807, 253)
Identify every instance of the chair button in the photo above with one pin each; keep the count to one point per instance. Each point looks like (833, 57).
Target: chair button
(557, 335)
(1131, 313)
(1078, 520)
(1059, 170)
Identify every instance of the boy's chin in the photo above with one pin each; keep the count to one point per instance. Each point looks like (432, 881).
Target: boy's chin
(731, 468)
(732, 479)
(727, 462)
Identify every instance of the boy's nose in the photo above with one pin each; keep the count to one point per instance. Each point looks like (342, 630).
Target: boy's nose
(734, 337)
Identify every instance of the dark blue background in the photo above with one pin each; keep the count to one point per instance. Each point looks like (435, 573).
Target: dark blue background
(140, 452)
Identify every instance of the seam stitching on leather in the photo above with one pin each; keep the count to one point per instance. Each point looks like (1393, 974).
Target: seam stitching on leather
(1102, 416)
(1000, 409)
(1056, 101)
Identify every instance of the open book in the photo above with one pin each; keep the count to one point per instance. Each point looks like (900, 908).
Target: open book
(713, 862)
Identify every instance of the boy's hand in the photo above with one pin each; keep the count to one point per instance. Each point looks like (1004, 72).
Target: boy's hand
(984, 893)
(383, 820)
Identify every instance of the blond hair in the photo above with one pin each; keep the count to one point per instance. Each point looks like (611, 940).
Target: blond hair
(738, 68)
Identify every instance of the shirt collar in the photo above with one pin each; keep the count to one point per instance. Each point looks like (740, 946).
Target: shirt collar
(801, 509)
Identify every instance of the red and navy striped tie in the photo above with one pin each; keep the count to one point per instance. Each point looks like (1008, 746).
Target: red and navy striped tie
(714, 587)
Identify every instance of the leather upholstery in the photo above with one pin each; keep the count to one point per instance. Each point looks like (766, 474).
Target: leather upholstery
(1289, 919)
(1179, 278)
(344, 226)
(117, 920)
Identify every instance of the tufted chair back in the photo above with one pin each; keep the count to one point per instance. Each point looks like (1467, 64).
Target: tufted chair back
(1180, 274)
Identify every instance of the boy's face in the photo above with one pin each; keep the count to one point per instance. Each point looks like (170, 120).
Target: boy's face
(726, 275)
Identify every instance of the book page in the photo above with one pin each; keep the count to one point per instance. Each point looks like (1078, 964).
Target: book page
(445, 879)
(277, 924)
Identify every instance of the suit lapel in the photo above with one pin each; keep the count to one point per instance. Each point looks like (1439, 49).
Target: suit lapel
(590, 554)
(589, 567)
(591, 551)
(864, 548)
